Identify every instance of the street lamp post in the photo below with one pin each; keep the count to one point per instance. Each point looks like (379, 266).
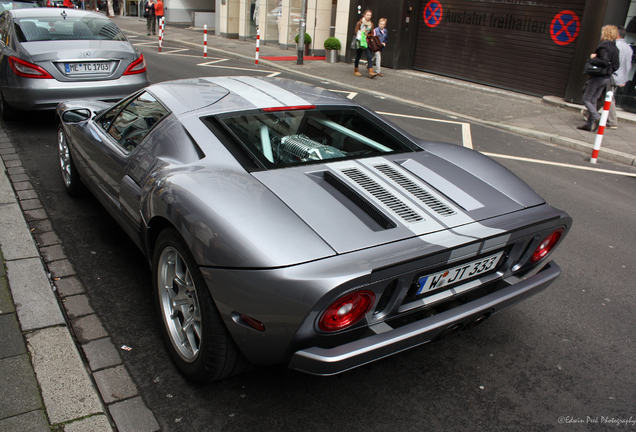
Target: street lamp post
(301, 34)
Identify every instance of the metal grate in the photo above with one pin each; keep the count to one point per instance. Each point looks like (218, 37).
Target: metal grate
(384, 196)
(414, 189)
(382, 219)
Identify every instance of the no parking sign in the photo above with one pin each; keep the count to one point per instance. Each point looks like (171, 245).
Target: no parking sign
(433, 13)
(565, 27)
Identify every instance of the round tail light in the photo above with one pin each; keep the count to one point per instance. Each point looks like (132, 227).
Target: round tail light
(546, 246)
(346, 311)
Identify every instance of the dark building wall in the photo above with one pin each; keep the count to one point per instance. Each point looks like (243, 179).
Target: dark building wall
(537, 47)
(527, 46)
(597, 14)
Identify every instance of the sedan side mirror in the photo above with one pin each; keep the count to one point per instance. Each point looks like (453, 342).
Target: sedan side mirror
(76, 115)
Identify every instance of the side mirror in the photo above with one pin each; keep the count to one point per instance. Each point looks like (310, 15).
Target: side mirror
(76, 115)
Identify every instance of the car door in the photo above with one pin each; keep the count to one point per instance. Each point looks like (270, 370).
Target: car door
(104, 155)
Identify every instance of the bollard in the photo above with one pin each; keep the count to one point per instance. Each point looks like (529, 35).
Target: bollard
(161, 21)
(601, 126)
(205, 40)
(258, 39)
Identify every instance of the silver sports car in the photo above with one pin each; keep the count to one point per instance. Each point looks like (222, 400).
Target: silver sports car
(286, 224)
(52, 55)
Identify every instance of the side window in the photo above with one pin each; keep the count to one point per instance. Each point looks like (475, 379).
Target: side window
(134, 122)
(106, 120)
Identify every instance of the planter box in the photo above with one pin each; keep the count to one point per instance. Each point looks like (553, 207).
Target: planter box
(331, 56)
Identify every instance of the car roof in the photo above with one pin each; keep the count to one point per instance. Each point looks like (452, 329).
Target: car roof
(53, 12)
(241, 93)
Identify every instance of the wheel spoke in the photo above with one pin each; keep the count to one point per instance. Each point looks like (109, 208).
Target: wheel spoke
(180, 304)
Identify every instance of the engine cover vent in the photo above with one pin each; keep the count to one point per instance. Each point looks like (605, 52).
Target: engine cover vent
(415, 190)
(381, 194)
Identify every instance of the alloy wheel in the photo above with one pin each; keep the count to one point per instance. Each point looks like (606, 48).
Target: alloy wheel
(179, 304)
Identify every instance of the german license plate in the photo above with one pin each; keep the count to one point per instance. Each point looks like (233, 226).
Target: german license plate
(458, 274)
(87, 68)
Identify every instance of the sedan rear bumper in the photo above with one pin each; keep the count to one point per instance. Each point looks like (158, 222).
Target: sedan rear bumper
(388, 341)
(40, 94)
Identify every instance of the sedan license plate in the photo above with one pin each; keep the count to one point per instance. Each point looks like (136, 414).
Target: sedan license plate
(86, 68)
(457, 274)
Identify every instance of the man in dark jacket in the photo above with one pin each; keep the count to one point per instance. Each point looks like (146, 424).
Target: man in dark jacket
(605, 56)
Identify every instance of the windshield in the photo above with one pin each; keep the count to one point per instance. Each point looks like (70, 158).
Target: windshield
(66, 28)
(287, 138)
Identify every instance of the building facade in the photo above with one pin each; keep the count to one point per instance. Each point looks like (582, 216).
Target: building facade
(537, 47)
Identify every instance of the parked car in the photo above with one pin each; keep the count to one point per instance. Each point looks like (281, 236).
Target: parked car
(51, 55)
(286, 224)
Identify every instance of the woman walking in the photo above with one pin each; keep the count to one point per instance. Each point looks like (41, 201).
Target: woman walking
(605, 56)
(149, 13)
(363, 28)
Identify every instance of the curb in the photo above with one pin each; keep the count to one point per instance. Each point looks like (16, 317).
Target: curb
(80, 374)
(571, 143)
(557, 101)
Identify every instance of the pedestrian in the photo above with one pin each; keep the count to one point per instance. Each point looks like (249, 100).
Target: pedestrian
(605, 56)
(381, 32)
(619, 78)
(149, 13)
(68, 4)
(159, 12)
(364, 27)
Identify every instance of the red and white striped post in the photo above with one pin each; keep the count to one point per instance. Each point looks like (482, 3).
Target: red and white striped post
(258, 40)
(601, 126)
(161, 21)
(205, 40)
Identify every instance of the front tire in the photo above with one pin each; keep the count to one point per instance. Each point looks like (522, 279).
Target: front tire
(7, 112)
(196, 337)
(70, 176)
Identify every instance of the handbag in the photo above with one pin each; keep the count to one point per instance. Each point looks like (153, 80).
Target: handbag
(595, 70)
(146, 13)
(363, 41)
(374, 43)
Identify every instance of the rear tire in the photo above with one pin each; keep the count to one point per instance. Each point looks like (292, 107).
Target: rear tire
(8, 113)
(70, 176)
(195, 334)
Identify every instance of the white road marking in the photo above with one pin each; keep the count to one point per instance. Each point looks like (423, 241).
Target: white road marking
(538, 161)
(211, 64)
(467, 140)
(350, 95)
(466, 134)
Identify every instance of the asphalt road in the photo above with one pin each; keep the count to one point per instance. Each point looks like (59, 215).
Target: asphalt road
(563, 360)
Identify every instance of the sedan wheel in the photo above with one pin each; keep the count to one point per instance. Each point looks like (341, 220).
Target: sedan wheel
(8, 113)
(72, 181)
(195, 333)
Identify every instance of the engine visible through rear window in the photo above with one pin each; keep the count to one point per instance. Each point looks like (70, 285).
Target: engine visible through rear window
(287, 138)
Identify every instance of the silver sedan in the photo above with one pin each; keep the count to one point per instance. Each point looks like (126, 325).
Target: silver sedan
(51, 55)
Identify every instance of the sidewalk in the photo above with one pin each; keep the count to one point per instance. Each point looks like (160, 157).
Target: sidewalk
(43, 380)
(549, 119)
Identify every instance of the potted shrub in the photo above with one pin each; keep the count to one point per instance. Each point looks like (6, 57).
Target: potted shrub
(307, 42)
(332, 46)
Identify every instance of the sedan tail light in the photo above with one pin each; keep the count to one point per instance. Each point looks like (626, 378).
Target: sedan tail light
(138, 66)
(546, 246)
(346, 311)
(28, 70)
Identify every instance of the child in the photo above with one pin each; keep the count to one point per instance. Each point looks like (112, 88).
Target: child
(383, 34)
